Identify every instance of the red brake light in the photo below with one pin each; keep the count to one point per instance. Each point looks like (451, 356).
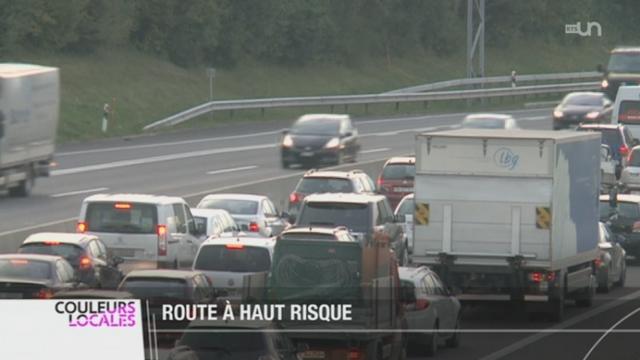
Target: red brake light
(355, 354)
(52, 243)
(85, 263)
(81, 227)
(536, 277)
(122, 206)
(44, 294)
(597, 262)
(19, 262)
(161, 230)
(294, 197)
(379, 181)
(624, 150)
(234, 246)
(253, 227)
(422, 304)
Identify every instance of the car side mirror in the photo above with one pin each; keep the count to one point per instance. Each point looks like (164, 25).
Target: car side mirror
(284, 215)
(200, 229)
(117, 260)
(600, 68)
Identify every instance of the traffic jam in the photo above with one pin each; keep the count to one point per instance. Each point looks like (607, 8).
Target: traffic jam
(375, 266)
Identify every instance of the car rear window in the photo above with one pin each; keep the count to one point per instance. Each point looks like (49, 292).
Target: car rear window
(624, 62)
(484, 123)
(233, 259)
(629, 112)
(583, 100)
(316, 127)
(70, 252)
(217, 344)
(399, 172)
(121, 217)
(233, 206)
(153, 288)
(625, 209)
(354, 216)
(25, 269)
(310, 185)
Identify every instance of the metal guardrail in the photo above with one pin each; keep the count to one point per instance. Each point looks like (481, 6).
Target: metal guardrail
(520, 79)
(367, 99)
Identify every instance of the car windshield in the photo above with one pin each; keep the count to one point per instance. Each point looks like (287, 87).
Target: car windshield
(624, 62)
(148, 288)
(121, 217)
(25, 269)
(611, 137)
(354, 216)
(583, 100)
(233, 206)
(310, 185)
(625, 209)
(399, 172)
(405, 207)
(629, 112)
(484, 123)
(71, 253)
(218, 344)
(316, 127)
(233, 258)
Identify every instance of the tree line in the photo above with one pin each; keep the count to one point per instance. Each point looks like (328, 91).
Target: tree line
(294, 32)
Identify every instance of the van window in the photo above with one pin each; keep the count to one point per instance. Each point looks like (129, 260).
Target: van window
(399, 172)
(221, 258)
(130, 218)
(181, 221)
(624, 62)
(629, 112)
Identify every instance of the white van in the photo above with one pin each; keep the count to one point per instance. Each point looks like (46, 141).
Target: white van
(626, 109)
(147, 231)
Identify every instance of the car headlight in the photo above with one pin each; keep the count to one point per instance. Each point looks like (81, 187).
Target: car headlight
(592, 115)
(333, 143)
(287, 141)
(557, 114)
(604, 84)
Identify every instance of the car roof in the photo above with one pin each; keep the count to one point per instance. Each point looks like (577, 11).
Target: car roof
(135, 198)
(311, 117)
(34, 257)
(64, 238)
(410, 273)
(326, 230)
(408, 196)
(332, 174)
(94, 294)
(244, 240)
(344, 198)
(479, 116)
(209, 213)
(401, 160)
(236, 323)
(623, 197)
(167, 274)
(234, 196)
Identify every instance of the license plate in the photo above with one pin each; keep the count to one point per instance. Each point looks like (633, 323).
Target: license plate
(306, 153)
(124, 252)
(403, 189)
(10, 295)
(313, 354)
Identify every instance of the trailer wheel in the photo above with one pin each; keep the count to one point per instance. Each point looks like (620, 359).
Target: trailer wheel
(24, 187)
(586, 298)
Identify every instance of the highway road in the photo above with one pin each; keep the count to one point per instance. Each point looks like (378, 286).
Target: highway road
(244, 157)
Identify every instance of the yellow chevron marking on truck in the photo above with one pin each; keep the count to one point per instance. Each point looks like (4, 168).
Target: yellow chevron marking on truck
(543, 217)
(421, 215)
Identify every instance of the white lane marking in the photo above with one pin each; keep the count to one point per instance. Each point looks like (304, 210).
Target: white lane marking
(172, 143)
(595, 345)
(370, 151)
(563, 325)
(39, 226)
(224, 171)
(78, 192)
(154, 159)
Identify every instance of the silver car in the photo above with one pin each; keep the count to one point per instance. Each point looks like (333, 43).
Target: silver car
(213, 222)
(429, 306)
(253, 213)
(611, 267)
(630, 175)
(404, 212)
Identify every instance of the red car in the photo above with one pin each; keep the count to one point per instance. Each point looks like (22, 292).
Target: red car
(396, 179)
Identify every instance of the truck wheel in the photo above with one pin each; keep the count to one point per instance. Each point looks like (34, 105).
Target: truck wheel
(24, 188)
(432, 344)
(586, 298)
(605, 285)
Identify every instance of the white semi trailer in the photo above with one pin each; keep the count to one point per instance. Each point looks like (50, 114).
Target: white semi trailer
(509, 215)
(29, 106)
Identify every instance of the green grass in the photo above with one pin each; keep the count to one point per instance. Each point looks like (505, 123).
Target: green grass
(142, 88)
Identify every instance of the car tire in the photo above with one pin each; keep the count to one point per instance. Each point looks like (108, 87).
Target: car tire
(432, 343)
(454, 340)
(586, 298)
(339, 158)
(285, 164)
(623, 275)
(606, 285)
(405, 260)
(556, 308)
(24, 188)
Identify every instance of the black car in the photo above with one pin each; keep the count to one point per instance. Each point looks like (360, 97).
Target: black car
(582, 107)
(619, 140)
(320, 139)
(31, 276)
(623, 69)
(626, 221)
(86, 253)
(366, 216)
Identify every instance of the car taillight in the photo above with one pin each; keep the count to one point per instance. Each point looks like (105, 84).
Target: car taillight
(85, 263)
(551, 276)
(81, 227)
(253, 227)
(597, 262)
(44, 294)
(234, 246)
(422, 304)
(161, 230)
(624, 150)
(295, 197)
(355, 354)
(536, 277)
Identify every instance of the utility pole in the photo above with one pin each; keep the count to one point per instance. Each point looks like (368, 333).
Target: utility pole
(211, 72)
(475, 38)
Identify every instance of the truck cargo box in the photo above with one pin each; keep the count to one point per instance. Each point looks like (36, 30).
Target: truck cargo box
(483, 197)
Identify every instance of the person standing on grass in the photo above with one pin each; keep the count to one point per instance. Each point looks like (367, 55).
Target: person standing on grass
(106, 113)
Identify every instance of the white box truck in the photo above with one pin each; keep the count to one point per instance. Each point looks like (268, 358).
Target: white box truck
(509, 215)
(29, 105)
